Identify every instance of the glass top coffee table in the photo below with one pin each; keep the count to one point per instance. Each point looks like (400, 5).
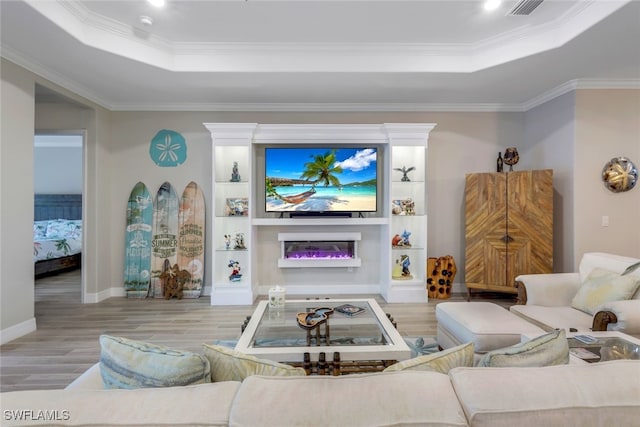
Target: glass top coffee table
(358, 330)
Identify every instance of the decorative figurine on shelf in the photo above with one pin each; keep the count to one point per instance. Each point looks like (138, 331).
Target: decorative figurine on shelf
(401, 240)
(235, 275)
(511, 157)
(235, 175)
(227, 241)
(403, 207)
(400, 270)
(239, 241)
(405, 263)
(404, 171)
(499, 163)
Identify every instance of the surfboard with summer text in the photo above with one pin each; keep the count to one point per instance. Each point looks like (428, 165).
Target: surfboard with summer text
(137, 261)
(164, 243)
(191, 238)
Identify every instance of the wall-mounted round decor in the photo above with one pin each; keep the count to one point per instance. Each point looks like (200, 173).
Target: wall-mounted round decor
(168, 148)
(620, 174)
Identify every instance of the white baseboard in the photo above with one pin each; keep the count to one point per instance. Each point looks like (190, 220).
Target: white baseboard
(17, 331)
(93, 298)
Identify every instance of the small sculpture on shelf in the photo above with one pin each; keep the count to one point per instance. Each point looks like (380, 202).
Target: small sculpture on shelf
(239, 241)
(401, 269)
(235, 175)
(227, 241)
(235, 275)
(403, 207)
(401, 240)
(405, 171)
(511, 157)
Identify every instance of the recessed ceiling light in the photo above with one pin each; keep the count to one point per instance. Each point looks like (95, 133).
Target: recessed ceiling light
(157, 3)
(146, 20)
(492, 4)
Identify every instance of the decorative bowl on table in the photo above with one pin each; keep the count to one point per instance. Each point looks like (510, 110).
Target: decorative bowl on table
(617, 349)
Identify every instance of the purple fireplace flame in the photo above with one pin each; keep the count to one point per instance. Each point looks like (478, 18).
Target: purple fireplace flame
(329, 250)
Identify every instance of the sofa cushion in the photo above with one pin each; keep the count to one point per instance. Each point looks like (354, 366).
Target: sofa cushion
(442, 361)
(230, 365)
(577, 395)
(197, 405)
(551, 318)
(602, 286)
(129, 364)
(487, 325)
(406, 398)
(610, 262)
(545, 350)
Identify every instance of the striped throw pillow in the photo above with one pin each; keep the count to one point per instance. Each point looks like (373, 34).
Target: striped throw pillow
(130, 364)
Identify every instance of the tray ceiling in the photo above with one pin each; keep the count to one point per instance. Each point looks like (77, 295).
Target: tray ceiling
(323, 55)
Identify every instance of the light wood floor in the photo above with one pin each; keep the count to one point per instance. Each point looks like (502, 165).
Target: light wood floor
(66, 341)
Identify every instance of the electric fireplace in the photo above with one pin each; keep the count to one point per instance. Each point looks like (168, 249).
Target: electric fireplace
(300, 250)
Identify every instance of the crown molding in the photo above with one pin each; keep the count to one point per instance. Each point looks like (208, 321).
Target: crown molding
(577, 84)
(43, 72)
(321, 107)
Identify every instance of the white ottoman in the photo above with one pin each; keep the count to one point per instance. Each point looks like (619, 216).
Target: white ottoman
(487, 325)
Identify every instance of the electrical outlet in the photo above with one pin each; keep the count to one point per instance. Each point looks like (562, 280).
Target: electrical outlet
(605, 221)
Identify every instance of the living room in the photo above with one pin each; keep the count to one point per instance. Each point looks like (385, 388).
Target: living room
(573, 126)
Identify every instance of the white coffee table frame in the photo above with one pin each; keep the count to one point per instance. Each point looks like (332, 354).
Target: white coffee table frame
(396, 349)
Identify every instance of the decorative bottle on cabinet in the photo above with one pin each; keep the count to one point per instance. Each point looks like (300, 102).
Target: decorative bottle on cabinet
(499, 162)
(508, 228)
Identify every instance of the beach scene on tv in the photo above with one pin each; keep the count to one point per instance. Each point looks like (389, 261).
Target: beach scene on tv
(320, 179)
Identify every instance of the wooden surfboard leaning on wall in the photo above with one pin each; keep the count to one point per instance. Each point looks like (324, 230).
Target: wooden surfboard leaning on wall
(191, 238)
(164, 243)
(137, 262)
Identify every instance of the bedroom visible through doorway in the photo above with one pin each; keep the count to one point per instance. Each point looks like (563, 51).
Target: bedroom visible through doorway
(58, 205)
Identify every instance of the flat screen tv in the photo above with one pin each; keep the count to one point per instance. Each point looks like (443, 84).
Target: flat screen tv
(320, 179)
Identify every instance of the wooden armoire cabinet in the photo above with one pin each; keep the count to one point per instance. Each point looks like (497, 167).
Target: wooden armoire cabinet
(508, 228)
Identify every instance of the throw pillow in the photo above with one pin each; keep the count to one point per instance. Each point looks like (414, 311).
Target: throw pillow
(40, 230)
(442, 361)
(230, 365)
(602, 286)
(545, 350)
(57, 228)
(130, 364)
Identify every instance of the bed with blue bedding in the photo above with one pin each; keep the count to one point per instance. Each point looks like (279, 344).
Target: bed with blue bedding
(57, 233)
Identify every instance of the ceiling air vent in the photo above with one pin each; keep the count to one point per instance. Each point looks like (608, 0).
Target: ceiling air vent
(524, 7)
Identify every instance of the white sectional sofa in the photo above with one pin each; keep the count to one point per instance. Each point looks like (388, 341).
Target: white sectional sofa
(601, 394)
(546, 299)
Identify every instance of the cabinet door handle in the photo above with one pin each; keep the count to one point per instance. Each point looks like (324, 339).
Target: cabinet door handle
(507, 239)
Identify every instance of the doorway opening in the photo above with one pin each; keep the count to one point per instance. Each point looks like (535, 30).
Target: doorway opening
(58, 214)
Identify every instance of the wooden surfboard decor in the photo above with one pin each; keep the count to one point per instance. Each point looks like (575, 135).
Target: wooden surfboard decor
(191, 238)
(137, 262)
(164, 255)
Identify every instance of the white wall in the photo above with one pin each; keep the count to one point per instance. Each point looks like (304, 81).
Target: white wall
(16, 212)
(607, 126)
(549, 135)
(57, 164)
